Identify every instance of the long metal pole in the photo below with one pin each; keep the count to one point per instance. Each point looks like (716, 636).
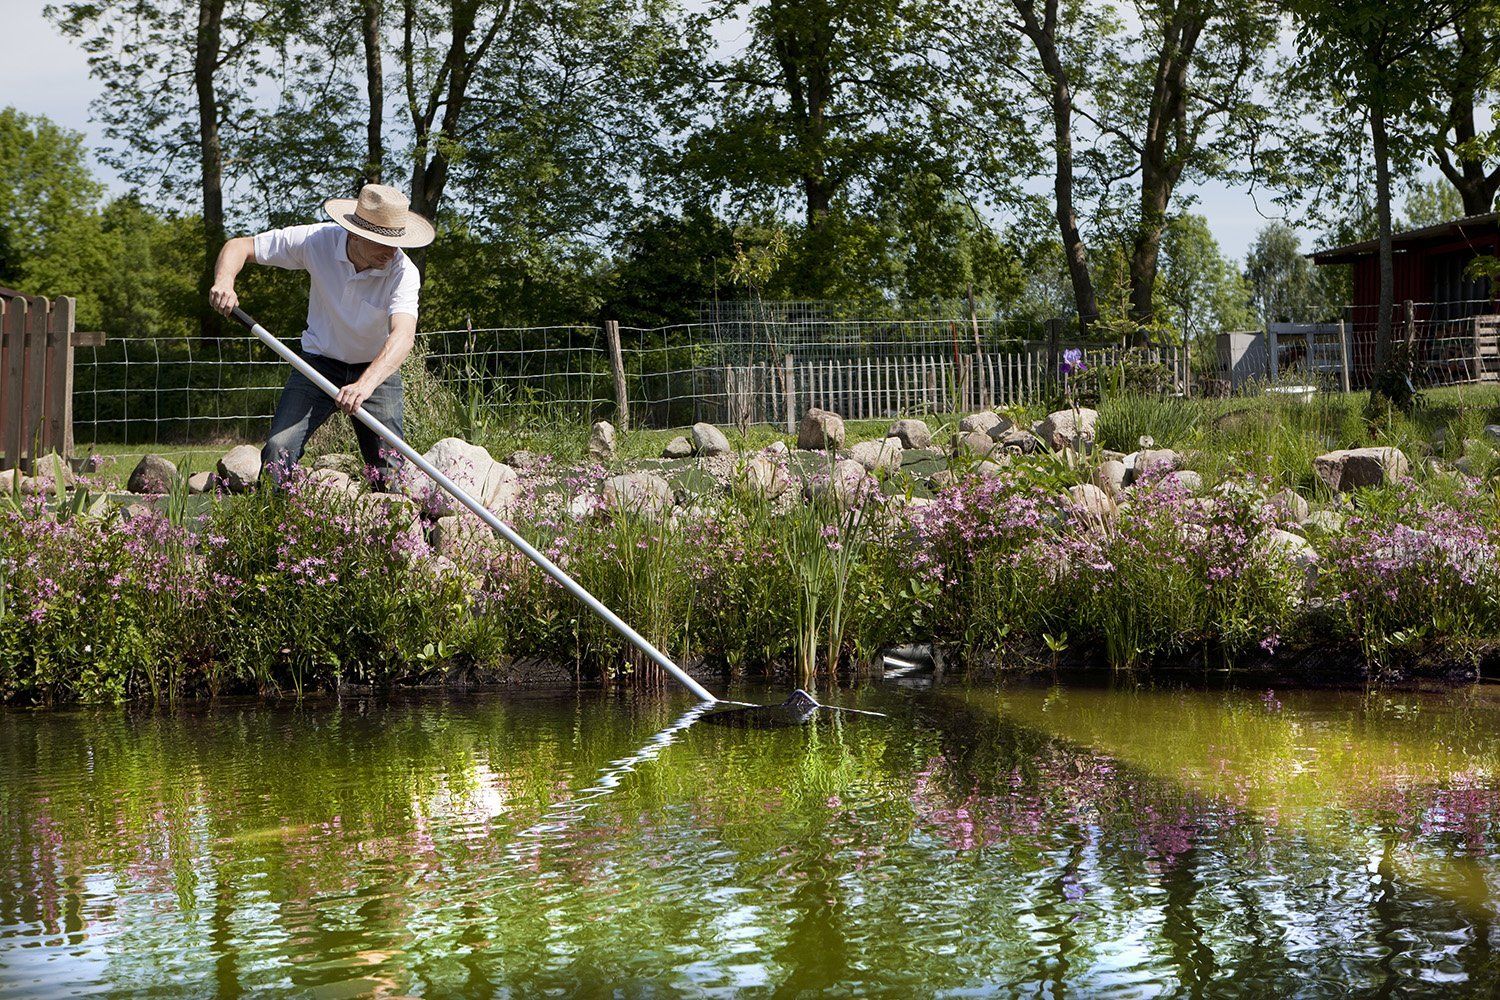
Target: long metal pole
(484, 514)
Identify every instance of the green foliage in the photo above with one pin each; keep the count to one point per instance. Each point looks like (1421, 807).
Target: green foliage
(1125, 418)
(1285, 286)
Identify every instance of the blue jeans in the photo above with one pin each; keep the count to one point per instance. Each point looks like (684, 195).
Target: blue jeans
(304, 407)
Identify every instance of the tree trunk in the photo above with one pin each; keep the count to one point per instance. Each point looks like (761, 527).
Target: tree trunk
(1468, 177)
(1383, 352)
(375, 87)
(211, 154)
(1043, 37)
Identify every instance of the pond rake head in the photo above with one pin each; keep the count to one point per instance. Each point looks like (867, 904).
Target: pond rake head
(798, 698)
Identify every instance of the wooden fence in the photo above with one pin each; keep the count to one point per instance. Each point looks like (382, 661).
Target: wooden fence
(895, 385)
(36, 378)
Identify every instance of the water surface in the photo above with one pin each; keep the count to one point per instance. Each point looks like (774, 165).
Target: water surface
(1030, 839)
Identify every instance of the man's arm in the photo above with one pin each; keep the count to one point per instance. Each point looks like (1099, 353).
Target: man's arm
(397, 346)
(235, 252)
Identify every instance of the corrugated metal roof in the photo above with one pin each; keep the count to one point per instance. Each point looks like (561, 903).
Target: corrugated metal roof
(1455, 227)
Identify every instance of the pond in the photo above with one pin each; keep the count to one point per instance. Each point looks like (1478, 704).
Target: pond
(1085, 839)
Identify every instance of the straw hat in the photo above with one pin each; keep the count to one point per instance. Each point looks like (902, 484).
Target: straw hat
(381, 214)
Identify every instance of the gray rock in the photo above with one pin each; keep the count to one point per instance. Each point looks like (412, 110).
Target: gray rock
(1327, 522)
(820, 430)
(332, 479)
(1092, 500)
(977, 444)
(1069, 429)
(602, 441)
(239, 470)
(1294, 549)
(1153, 460)
(911, 432)
(1492, 431)
(1110, 476)
(983, 422)
(1288, 505)
(778, 448)
(708, 440)
(11, 481)
(1186, 479)
(492, 483)
(988, 469)
(152, 474)
(462, 538)
(352, 465)
(1352, 468)
(522, 461)
(678, 447)
(400, 512)
(766, 477)
(1021, 441)
(201, 482)
(875, 455)
(639, 492)
(941, 479)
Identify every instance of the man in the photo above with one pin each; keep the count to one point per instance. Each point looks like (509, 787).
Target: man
(361, 315)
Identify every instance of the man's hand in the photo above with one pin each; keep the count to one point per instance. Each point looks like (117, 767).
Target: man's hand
(222, 299)
(352, 396)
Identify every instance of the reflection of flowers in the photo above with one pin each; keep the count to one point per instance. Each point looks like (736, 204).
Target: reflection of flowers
(1072, 363)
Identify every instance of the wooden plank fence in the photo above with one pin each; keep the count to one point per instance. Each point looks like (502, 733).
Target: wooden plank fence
(36, 378)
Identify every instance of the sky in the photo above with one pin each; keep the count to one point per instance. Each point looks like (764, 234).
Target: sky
(46, 74)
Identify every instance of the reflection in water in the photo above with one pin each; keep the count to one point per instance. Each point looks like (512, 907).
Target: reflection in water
(1049, 841)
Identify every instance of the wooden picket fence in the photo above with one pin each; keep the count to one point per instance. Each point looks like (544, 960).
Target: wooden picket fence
(895, 385)
(36, 378)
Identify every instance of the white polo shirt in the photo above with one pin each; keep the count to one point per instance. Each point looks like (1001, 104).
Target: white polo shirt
(348, 311)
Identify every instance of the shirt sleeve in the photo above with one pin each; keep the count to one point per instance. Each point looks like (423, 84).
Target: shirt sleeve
(404, 298)
(284, 247)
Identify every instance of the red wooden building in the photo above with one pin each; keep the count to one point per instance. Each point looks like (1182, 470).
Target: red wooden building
(1454, 320)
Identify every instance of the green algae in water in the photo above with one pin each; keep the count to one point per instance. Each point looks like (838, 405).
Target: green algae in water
(1082, 840)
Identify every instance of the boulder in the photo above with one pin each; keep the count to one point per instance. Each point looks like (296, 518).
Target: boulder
(525, 461)
(1153, 460)
(766, 477)
(848, 481)
(1328, 522)
(50, 468)
(331, 479)
(709, 440)
(1092, 501)
(1492, 431)
(11, 481)
(987, 469)
(820, 430)
(400, 512)
(352, 465)
(874, 455)
(239, 469)
(152, 474)
(471, 468)
(942, 479)
(778, 448)
(1352, 468)
(639, 492)
(678, 447)
(975, 444)
(1295, 549)
(1069, 429)
(1111, 476)
(911, 433)
(983, 422)
(602, 441)
(1185, 479)
(201, 482)
(462, 538)
(1287, 506)
(1021, 441)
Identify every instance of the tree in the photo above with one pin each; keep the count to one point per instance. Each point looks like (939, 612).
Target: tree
(1284, 285)
(1431, 202)
(1188, 104)
(1205, 292)
(1370, 54)
(827, 109)
(1468, 75)
(46, 193)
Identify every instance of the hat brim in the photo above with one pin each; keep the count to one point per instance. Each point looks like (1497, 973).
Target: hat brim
(419, 232)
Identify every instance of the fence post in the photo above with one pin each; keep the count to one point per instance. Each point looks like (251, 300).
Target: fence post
(790, 388)
(617, 365)
(11, 420)
(1411, 327)
(58, 429)
(1273, 352)
(1187, 368)
(1054, 331)
(1343, 357)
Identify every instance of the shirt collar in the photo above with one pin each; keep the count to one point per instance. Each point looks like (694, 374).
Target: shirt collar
(373, 272)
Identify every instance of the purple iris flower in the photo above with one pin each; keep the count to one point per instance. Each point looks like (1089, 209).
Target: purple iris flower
(1072, 362)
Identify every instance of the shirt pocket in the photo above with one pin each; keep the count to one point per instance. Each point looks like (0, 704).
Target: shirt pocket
(373, 318)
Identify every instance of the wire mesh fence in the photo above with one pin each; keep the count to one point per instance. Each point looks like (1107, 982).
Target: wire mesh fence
(1445, 343)
(155, 390)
